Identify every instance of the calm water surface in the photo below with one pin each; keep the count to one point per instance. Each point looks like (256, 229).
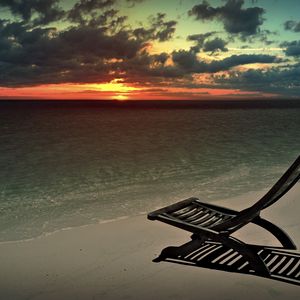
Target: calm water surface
(63, 167)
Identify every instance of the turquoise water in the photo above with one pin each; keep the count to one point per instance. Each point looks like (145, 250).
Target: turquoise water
(69, 167)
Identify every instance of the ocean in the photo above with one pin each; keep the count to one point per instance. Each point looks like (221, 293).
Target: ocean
(69, 166)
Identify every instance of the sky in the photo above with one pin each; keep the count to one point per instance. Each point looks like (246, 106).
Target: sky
(149, 49)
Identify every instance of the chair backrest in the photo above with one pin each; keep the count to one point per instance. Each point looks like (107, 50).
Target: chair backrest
(281, 187)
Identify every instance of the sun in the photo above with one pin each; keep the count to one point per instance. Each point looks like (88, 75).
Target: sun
(120, 97)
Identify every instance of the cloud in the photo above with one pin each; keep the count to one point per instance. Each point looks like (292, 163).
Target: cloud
(292, 48)
(292, 26)
(78, 54)
(84, 7)
(188, 61)
(159, 29)
(199, 40)
(235, 18)
(47, 10)
(132, 3)
(214, 45)
(98, 49)
(282, 81)
(202, 44)
(102, 49)
(166, 31)
(238, 60)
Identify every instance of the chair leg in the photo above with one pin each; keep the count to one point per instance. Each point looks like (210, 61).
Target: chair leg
(246, 251)
(281, 236)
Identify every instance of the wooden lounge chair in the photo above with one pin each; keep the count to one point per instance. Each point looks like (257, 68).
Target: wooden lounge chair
(210, 222)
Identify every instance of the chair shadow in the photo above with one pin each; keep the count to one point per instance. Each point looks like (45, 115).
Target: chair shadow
(283, 265)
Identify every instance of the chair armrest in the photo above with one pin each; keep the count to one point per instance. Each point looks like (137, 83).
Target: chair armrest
(171, 208)
(196, 229)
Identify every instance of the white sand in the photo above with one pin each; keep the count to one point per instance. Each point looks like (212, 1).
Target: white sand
(114, 261)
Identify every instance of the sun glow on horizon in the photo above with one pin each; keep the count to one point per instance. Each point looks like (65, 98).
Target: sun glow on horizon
(121, 97)
(113, 90)
(116, 85)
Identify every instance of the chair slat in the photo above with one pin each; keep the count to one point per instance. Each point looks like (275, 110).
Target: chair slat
(202, 220)
(197, 215)
(184, 212)
(216, 218)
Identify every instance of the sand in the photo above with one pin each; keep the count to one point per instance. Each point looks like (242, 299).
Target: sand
(114, 261)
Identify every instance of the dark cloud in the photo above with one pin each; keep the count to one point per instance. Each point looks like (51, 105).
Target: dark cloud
(214, 45)
(45, 55)
(166, 32)
(282, 81)
(93, 52)
(85, 7)
(236, 19)
(155, 71)
(99, 48)
(292, 26)
(188, 61)
(264, 36)
(132, 3)
(159, 29)
(108, 18)
(96, 47)
(292, 48)
(199, 39)
(47, 10)
(95, 41)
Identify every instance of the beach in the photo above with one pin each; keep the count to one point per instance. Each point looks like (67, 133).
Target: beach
(113, 260)
(76, 186)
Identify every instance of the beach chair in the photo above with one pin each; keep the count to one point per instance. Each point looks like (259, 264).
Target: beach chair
(208, 222)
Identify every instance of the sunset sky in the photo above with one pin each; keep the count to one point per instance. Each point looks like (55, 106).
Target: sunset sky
(149, 49)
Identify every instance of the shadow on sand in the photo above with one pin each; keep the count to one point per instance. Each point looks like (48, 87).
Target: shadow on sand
(282, 265)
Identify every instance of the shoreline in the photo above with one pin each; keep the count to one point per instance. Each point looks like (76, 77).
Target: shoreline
(226, 202)
(113, 261)
(50, 233)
